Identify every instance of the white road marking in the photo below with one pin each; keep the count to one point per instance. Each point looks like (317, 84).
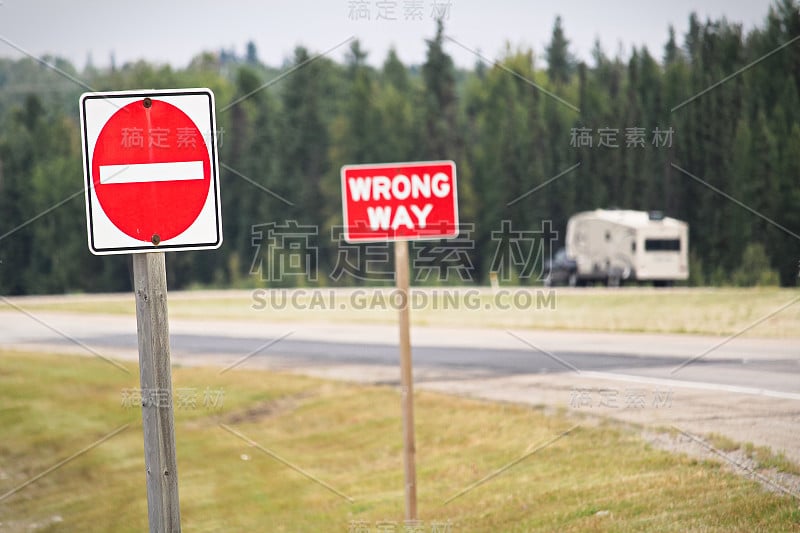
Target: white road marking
(701, 385)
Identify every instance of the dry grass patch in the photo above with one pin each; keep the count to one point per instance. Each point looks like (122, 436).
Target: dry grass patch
(599, 478)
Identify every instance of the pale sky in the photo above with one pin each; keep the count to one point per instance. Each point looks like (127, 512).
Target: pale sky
(176, 30)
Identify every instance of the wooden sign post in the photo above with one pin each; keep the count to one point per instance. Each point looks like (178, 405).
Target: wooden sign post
(406, 379)
(401, 202)
(147, 193)
(150, 287)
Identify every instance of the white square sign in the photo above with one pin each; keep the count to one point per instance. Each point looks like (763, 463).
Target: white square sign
(151, 171)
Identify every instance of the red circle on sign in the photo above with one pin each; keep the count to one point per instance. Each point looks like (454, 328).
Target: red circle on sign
(150, 196)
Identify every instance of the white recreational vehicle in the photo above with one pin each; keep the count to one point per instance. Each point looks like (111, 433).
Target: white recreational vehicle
(613, 246)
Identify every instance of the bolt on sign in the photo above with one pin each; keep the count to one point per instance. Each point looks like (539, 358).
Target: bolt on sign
(151, 171)
(399, 201)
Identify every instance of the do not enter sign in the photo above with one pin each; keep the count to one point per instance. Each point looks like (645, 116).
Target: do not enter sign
(150, 165)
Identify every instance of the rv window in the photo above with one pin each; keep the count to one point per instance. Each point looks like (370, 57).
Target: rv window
(662, 245)
(633, 246)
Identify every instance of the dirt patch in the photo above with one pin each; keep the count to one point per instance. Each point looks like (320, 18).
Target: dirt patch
(266, 409)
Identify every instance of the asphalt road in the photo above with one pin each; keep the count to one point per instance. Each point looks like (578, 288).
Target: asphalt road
(770, 373)
(745, 388)
(769, 366)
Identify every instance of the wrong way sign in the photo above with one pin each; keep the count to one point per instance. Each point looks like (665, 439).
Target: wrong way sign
(400, 201)
(151, 171)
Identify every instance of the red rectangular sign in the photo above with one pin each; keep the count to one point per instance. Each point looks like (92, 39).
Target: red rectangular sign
(400, 201)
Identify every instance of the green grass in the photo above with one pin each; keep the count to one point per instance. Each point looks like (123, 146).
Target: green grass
(723, 443)
(348, 436)
(763, 456)
(698, 311)
(766, 458)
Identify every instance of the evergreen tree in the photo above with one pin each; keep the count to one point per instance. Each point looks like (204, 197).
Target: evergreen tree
(285, 142)
(560, 63)
(251, 56)
(440, 135)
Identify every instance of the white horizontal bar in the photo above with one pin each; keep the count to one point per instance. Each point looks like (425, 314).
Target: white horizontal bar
(144, 172)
